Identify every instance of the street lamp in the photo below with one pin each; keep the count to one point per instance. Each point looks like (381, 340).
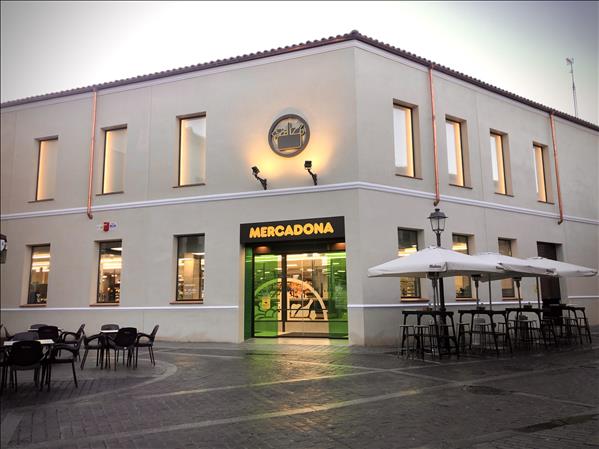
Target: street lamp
(437, 219)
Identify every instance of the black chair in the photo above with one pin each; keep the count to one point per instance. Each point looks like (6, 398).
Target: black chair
(48, 333)
(71, 338)
(37, 326)
(94, 342)
(109, 327)
(56, 357)
(124, 340)
(146, 341)
(3, 367)
(25, 336)
(25, 355)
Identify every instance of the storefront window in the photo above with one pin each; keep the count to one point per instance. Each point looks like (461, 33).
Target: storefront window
(38, 277)
(190, 268)
(408, 244)
(507, 285)
(109, 273)
(463, 287)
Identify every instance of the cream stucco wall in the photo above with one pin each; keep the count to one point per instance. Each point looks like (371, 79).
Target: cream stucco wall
(346, 94)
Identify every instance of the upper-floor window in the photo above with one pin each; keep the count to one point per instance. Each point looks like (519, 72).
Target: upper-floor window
(456, 154)
(110, 265)
(115, 148)
(192, 150)
(46, 169)
(507, 285)
(403, 132)
(541, 165)
(499, 163)
(38, 275)
(408, 244)
(190, 268)
(463, 287)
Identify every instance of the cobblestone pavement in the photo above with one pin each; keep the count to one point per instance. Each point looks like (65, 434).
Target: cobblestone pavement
(268, 394)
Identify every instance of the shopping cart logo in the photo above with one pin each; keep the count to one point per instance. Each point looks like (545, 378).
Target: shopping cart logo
(288, 136)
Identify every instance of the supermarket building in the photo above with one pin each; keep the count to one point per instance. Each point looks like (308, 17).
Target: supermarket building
(183, 198)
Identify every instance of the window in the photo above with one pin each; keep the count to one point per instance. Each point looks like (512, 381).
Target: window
(540, 164)
(38, 277)
(192, 150)
(115, 148)
(498, 163)
(404, 140)
(109, 272)
(507, 285)
(190, 268)
(408, 244)
(46, 169)
(455, 153)
(463, 287)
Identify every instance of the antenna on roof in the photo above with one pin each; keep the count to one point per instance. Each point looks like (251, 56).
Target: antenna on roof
(570, 62)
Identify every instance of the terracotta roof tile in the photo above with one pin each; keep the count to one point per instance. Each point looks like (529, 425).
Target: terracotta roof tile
(353, 35)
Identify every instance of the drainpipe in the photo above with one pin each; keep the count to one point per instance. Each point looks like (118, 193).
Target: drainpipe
(434, 118)
(559, 189)
(91, 158)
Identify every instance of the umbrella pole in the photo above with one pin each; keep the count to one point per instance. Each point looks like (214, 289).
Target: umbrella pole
(518, 288)
(538, 292)
(476, 277)
(490, 298)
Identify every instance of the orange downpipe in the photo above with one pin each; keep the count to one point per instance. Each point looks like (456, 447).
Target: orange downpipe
(91, 158)
(559, 189)
(435, 150)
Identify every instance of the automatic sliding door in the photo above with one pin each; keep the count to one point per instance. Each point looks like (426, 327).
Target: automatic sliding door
(267, 295)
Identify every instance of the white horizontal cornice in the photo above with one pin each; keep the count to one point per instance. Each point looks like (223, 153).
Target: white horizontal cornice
(344, 186)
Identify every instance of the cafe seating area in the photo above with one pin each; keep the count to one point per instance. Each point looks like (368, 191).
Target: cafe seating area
(483, 331)
(41, 346)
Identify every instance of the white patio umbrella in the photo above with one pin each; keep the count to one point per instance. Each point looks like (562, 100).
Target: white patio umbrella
(434, 262)
(561, 269)
(513, 268)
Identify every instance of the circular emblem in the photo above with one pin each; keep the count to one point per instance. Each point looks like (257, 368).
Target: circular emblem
(289, 135)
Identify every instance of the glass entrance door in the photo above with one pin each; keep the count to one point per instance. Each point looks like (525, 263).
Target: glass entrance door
(300, 295)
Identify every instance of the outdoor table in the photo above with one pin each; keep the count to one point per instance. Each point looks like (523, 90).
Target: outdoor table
(572, 314)
(435, 314)
(45, 342)
(107, 333)
(490, 313)
(526, 325)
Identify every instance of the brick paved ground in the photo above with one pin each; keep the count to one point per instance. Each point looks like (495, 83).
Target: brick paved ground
(265, 395)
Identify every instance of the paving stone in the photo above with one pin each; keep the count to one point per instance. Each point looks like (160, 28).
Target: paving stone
(265, 395)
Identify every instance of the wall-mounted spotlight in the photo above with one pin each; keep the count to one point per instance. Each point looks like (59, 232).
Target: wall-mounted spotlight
(255, 171)
(308, 166)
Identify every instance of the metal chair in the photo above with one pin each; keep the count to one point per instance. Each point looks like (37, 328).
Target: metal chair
(25, 355)
(37, 326)
(48, 333)
(55, 358)
(124, 340)
(146, 341)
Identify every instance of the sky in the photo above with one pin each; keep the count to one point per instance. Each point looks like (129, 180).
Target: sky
(518, 46)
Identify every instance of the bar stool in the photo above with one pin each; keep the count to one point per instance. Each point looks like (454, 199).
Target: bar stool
(480, 333)
(405, 340)
(583, 323)
(422, 339)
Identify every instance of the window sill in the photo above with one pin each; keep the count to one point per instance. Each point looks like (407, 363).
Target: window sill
(105, 304)
(186, 302)
(110, 193)
(41, 201)
(190, 185)
(545, 202)
(408, 176)
(33, 305)
(504, 194)
(461, 187)
(465, 299)
(414, 300)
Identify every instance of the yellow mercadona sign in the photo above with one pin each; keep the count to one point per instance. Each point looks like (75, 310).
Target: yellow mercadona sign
(315, 228)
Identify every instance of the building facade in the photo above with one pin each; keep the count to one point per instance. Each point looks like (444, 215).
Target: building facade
(162, 220)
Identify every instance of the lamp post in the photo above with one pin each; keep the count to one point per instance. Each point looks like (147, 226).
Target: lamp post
(437, 219)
